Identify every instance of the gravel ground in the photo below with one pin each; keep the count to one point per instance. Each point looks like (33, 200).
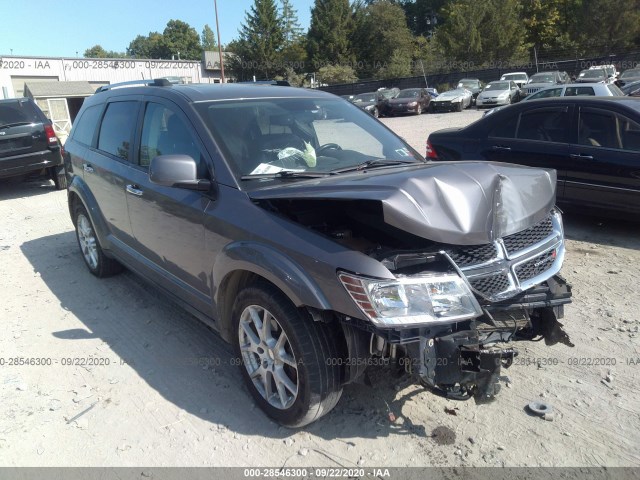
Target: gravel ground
(143, 395)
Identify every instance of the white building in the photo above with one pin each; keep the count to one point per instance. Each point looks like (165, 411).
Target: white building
(59, 85)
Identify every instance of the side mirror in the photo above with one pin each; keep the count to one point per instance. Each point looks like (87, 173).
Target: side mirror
(178, 171)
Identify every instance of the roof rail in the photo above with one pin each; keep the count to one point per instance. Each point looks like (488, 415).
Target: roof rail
(157, 82)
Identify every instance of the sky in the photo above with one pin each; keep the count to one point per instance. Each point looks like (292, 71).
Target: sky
(60, 28)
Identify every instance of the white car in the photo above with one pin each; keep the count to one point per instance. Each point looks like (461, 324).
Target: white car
(519, 78)
(595, 75)
(611, 70)
(453, 100)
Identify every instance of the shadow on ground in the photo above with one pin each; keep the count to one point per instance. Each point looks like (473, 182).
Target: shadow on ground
(22, 187)
(186, 362)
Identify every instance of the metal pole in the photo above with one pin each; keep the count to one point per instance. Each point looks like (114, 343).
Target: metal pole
(535, 54)
(215, 4)
(424, 74)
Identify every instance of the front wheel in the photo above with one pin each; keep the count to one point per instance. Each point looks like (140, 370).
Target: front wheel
(376, 112)
(289, 361)
(419, 110)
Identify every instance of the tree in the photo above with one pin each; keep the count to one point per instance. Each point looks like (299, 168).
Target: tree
(329, 32)
(336, 74)
(290, 23)
(261, 41)
(423, 16)
(145, 47)
(208, 39)
(471, 34)
(98, 52)
(381, 37)
(180, 40)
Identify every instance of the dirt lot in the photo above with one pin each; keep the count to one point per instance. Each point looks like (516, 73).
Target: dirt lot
(144, 395)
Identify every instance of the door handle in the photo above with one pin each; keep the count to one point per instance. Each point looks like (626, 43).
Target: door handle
(134, 190)
(500, 148)
(87, 168)
(574, 156)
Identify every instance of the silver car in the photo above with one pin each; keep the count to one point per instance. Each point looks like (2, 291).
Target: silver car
(453, 100)
(500, 92)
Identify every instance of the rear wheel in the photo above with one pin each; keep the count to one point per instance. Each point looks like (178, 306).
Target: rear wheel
(95, 259)
(59, 177)
(288, 360)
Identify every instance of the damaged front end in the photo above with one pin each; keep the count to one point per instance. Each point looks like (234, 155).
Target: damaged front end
(473, 254)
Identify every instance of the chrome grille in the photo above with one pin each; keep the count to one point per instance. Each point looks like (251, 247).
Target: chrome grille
(502, 269)
(491, 285)
(535, 266)
(521, 240)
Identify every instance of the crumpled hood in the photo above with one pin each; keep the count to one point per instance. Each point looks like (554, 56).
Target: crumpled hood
(460, 203)
(450, 95)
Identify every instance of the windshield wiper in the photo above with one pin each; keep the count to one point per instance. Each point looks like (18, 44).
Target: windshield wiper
(376, 162)
(286, 174)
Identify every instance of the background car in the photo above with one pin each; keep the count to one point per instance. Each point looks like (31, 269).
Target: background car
(452, 100)
(628, 76)
(472, 84)
(541, 80)
(631, 89)
(592, 142)
(498, 93)
(611, 70)
(28, 143)
(572, 90)
(372, 102)
(594, 75)
(520, 78)
(410, 100)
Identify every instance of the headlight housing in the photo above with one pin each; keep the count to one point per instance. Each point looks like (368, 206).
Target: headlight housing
(369, 107)
(412, 301)
(412, 104)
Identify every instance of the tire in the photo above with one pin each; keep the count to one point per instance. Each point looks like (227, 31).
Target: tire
(459, 107)
(376, 112)
(59, 177)
(419, 110)
(98, 264)
(311, 385)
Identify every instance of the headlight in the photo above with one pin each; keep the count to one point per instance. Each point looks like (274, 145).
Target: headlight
(369, 107)
(412, 104)
(503, 95)
(412, 301)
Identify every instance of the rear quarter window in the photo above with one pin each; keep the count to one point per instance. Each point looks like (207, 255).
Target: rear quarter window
(85, 126)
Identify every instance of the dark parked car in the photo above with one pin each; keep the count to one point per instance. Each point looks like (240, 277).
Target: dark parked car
(631, 89)
(410, 100)
(373, 103)
(28, 143)
(316, 246)
(629, 76)
(594, 143)
(472, 84)
(594, 75)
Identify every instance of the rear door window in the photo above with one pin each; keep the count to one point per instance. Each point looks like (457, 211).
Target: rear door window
(601, 128)
(548, 124)
(116, 131)
(577, 91)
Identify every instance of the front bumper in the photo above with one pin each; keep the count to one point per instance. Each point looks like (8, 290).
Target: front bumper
(491, 103)
(445, 106)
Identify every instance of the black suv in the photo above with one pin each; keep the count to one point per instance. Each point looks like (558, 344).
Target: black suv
(316, 244)
(27, 142)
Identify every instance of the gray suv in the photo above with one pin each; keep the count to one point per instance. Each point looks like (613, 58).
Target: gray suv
(316, 244)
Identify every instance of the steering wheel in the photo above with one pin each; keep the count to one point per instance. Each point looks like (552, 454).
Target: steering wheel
(327, 146)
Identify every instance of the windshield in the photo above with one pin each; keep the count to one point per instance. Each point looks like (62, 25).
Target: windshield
(18, 112)
(365, 97)
(631, 74)
(514, 76)
(467, 83)
(592, 74)
(542, 78)
(300, 135)
(497, 86)
(409, 93)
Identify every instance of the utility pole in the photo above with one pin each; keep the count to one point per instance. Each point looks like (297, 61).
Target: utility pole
(215, 4)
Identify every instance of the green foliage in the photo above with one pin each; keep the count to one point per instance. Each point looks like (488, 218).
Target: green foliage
(332, 74)
(145, 47)
(180, 40)
(258, 50)
(98, 52)
(481, 33)
(329, 32)
(208, 39)
(382, 41)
